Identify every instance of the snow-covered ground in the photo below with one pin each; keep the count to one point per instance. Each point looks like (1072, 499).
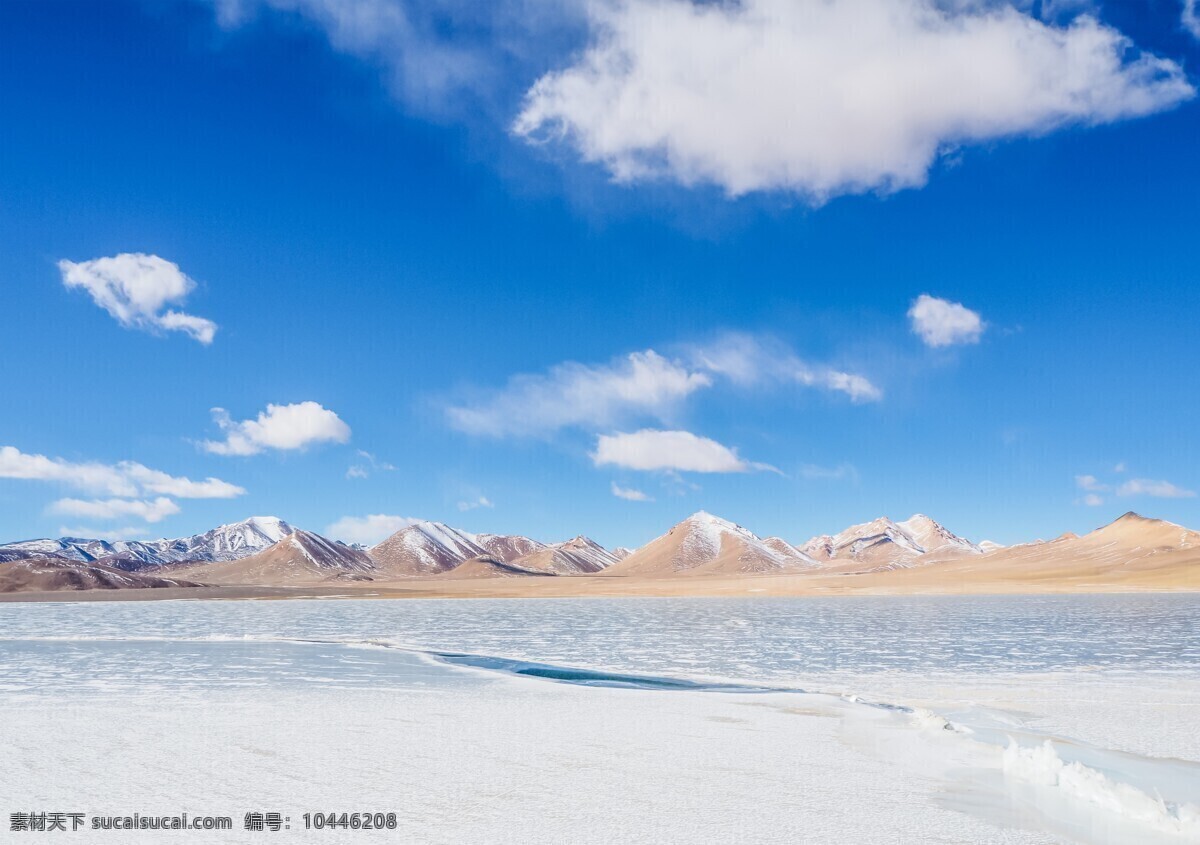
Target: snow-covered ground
(839, 720)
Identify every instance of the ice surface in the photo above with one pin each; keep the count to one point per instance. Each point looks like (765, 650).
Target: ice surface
(599, 720)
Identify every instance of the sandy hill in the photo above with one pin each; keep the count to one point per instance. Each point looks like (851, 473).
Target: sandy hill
(704, 544)
(48, 574)
(580, 556)
(299, 558)
(1129, 544)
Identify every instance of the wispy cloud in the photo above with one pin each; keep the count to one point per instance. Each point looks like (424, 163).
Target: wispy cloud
(155, 510)
(1191, 17)
(473, 504)
(443, 58)
(369, 464)
(940, 322)
(126, 479)
(630, 494)
(682, 451)
(880, 87)
(755, 361)
(368, 530)
(1156, 489)
(645, 384)
(280, 427)
(837, 473)
(136, 289)
(572, 394)
(1090, 482)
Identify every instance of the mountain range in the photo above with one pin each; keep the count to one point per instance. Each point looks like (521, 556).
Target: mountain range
(269, 552)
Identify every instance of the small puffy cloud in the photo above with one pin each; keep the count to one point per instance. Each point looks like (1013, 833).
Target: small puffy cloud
(125, 479)
(1120, 467)
(109, 509)
(1093, 500)
(368, 530)
(650, 449)
(472, 504)
(136, 289)
(357, 472)
(573, 394)
(826, 98)
(752, 361)
(630, 494)
(1090, 482)
(1157, 489)
(939, 322)
(1191, 17)
(282, 427)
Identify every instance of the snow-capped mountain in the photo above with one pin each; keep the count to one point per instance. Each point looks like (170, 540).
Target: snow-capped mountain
(432, 548)
(621, 552)
(580, 556)
(706, 544)
(226, 542)
(932, 536)
(427, 548)
(882, 542)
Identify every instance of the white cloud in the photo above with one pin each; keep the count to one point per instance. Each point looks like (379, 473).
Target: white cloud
(283, 427)
(136, 289)
(481, 502)
(574, 394)
(650, 449)
(369, 529)
(1092, 500)
(749, 361)
(1090, 482)
(356, 472)
(940, 322)
(1119, 467)
(1157, 489)
(108, 509)
(124, 479)
(1191, 17)
(630, 494)
(825, 98)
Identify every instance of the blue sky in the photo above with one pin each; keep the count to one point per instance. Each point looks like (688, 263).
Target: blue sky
(433, 237)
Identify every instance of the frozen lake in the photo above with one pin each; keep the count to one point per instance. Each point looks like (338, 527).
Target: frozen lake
(980, 719)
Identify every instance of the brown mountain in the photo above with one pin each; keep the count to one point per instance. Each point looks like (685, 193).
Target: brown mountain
(508, 547)
(487, 566)
(299, 558)
(427, 548)
(580, 556)
(704, 544)
(49, 574)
